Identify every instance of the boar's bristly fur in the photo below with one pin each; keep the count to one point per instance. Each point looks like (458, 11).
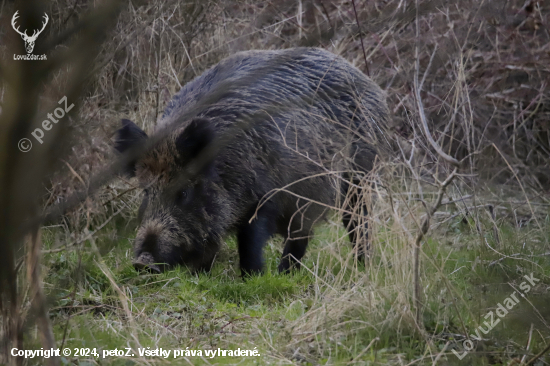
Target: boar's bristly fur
(316, 125)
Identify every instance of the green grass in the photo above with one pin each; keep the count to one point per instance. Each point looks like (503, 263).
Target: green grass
(334, 311)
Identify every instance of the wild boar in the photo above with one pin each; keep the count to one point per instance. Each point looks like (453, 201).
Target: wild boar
(314, 125)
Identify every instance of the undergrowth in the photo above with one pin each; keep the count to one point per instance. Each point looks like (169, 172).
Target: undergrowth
(335, 310)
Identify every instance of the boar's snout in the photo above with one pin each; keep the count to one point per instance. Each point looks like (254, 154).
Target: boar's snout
(146, 262)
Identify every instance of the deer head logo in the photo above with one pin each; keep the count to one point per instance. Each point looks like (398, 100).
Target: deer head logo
(29, 40)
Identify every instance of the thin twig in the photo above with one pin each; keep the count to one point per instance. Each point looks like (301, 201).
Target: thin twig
(528, 343)
(361, 38)
(423, 231)
(538, 355)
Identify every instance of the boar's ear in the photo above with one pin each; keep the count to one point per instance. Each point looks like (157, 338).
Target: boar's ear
(194, 138)
(129, 136)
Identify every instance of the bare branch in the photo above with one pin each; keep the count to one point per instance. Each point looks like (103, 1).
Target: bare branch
(421, 113)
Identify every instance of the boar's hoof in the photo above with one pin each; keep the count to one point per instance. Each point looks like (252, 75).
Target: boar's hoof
(145, 262)
(142, 267)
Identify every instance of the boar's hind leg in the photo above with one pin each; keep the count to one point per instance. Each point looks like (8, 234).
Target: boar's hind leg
(355, 223)
(252, 237)
(292, 254)
(297, 236)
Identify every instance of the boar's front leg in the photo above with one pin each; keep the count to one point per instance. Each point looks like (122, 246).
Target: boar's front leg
(252, 237)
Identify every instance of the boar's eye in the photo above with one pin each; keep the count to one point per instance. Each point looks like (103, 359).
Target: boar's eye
(183, 196)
